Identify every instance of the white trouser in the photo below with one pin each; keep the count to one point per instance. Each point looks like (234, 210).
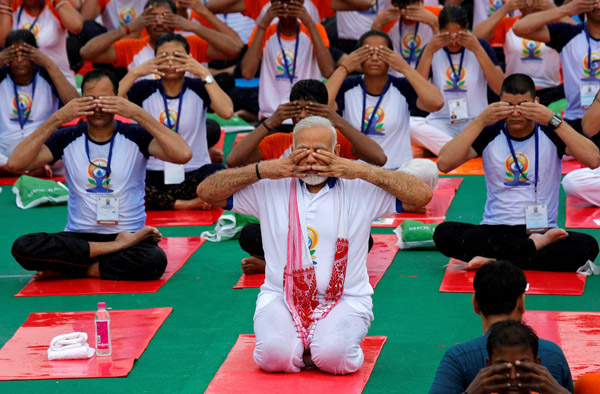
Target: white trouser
(424, 169)
(433, 134)
(583, 184)
(335, 347)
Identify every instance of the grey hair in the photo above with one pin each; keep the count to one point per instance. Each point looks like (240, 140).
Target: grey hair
(313, 122)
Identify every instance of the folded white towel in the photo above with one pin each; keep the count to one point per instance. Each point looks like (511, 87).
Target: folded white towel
(71, 346)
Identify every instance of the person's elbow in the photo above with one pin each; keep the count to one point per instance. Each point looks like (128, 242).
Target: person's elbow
(443, 164)
(86, 52)
(226, 111)
(424, 195)
(76, 26)
(520, 29)
(183, 155)
(433, 103)
(247, 71)
(14, 166)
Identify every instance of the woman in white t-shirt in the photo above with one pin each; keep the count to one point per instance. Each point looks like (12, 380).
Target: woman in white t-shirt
(461, 67)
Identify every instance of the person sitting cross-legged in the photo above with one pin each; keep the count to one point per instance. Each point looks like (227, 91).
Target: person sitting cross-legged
(521, 143)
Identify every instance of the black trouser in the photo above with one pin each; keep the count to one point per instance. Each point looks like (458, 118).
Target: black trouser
(251, 240)
(464, 241)
(69, 253)
(549, 95)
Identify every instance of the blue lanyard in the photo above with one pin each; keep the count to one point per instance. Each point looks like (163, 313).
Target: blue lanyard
(286, 70)
(110, 150)
(180, 96)
(514, 156)
(364, 109)
(36, 17)
(460, 65)
(589, 58)
(411, 49)
(23, 114)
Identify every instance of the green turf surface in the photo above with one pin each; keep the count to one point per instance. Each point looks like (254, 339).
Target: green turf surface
(208, 314)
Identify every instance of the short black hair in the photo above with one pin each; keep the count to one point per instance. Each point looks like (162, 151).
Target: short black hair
(158, 3)
(404, 3)
(511, 333)
(498, 285)
(309, 90)
(453, 14)
(98, 74)
(518, 84)
(168, 37)
(377, 33)
(22, 35)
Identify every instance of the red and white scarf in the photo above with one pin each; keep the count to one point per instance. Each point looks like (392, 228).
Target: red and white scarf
(299, 281)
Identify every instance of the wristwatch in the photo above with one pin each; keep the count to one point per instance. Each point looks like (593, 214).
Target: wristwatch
(209, 79)
(555, 121)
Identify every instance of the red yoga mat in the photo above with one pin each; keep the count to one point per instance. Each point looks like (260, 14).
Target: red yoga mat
(182, 218)
(571, 165)
(458, 280)
(581, 215)
(240, 374)
(575, 332)
(379, 259)
(24, 356)
(178, 250)
(11, 180)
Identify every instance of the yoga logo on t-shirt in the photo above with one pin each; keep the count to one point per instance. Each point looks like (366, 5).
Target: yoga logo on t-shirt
(126, 15)
(532, 50)
(99, 182)
(35, 30)
(516, 173)
(372, 9)
(411, 47)
(376, 127)
(591, 70)
(280, 71)
(495, 5)
(171, 122)
(454, 82)
(24, 104)
(313, 241)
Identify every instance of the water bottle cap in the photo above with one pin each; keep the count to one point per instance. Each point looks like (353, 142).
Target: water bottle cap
(102, 305)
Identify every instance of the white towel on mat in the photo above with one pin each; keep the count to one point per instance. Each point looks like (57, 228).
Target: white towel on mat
(71, 346)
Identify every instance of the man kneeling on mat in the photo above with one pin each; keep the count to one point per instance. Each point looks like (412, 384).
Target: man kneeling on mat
(521, 144)
(316, 294)
(105, 162)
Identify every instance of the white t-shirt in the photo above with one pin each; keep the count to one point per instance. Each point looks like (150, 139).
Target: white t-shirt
(352, 24)
(509, 191)
(483, 9)
(36, 108)
(390, 124)
(116, 13)
(409, 41)
(87, 182)
(268, 200)
(50, 35)
(192, 124)
(275, 84)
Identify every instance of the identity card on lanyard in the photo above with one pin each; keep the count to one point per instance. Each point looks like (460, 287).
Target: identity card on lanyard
(588, 91)
(174, 174)
(107, 204)
(536, 215)
(457, 107)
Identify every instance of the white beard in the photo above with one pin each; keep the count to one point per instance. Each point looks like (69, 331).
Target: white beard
(314, 179)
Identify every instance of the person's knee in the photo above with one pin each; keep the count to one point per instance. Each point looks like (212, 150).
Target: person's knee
(22, 249)
(569, 184)
(424, 169)
(251, 240)
(156, 263)
(336, 355)
(441, 236)
(275, 354)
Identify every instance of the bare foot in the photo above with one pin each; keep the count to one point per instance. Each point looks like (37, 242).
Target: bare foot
(253, 265)
(552, 235)
(477, 261)
(93, 271)
(127, 239)
(195, 203)
(48, 275)
(216, 155)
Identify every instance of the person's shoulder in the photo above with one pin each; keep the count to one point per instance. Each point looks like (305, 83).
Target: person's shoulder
(475, 345)
(351, 82)
(549, 347)
(4, 72)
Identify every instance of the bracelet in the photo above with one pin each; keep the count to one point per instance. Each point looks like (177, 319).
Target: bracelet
(61, 3)
(257, 172)
(267, 127)
(345, 68)
(127, 30)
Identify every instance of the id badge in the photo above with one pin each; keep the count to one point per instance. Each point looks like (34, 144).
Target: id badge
(107, 209)
(588, 94)
(174, 173)
(536, 219)
(459, 112)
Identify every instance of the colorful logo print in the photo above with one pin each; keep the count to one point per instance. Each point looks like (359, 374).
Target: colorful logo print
(127, 15)
(411, 47)
(372, 9)
(532, 50)
(281, 70)
(495, 5)
(35, 30)
(591, 69)
(377, 118)
(313, 241)
(24, 103)
(516, 173)
(99, 182)
(454, 82)
(170, 123)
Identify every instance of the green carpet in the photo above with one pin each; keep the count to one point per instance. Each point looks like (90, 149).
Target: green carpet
(208, 315)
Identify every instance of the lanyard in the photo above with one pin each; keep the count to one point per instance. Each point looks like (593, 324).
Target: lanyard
(110, 150)
(456, 75)
(589, 58)
(364, 109)
(36, 17)
(23, 113)
(412, 49)
(286, 70)
(514, 156)
(168, 117)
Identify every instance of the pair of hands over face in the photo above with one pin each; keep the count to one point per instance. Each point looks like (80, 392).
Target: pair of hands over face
(496, 112)
(180, 61)
(294, 109)
(87, 106)
(24, 51)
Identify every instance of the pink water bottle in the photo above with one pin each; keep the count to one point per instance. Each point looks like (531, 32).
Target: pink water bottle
(102, 322)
